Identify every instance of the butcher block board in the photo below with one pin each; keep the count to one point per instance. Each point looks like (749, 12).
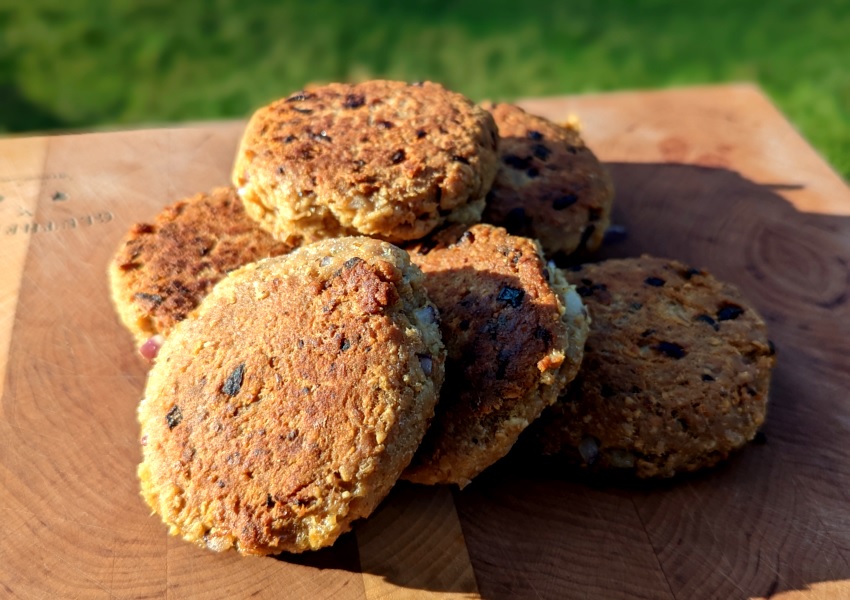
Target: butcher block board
(713, 176)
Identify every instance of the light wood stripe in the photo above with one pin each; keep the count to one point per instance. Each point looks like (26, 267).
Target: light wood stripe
(21, 177)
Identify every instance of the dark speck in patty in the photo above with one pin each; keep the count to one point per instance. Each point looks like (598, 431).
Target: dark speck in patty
(352, 262)
(541, 151)
(354, 101)
(154, 299)
(708, 321)
(512, 296)
(564, 201)
(174, 417)
(671, 349)
(512, 160)
(233, 383)
(729, 312)
(543, 334)
(654, 281)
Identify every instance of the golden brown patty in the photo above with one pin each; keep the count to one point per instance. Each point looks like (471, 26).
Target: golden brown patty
(549, 185)
(675, 375)
(382, 158)
(288, 404)
(163, 270)
(514, 332)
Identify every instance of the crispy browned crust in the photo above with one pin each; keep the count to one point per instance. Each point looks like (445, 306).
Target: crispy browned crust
(549, 186)
(288, 404)
(675, 376)
(382, 158)
(512, 347)
(162, 270)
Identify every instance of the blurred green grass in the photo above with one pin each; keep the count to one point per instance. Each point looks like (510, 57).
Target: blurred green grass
(82, 63)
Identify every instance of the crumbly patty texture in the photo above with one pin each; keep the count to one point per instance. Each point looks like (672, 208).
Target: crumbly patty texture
(675, 376)
(382, 158)
(288, 404)
(162, 270)
(514, 331)
(549, 186)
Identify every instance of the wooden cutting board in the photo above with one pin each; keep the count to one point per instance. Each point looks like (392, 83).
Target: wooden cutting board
(713, 176)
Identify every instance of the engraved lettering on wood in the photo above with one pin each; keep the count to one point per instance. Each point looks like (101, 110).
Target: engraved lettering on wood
(22, 219)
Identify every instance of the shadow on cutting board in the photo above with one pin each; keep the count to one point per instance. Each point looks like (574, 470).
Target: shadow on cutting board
(773, 519)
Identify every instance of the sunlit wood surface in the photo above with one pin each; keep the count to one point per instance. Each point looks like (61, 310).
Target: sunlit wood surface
(714, 176)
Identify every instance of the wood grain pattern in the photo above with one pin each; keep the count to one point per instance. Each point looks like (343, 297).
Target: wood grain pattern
(713, 176)
(414, 542)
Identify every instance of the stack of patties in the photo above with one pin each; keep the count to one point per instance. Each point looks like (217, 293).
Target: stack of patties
(302, 361)
(340, 318)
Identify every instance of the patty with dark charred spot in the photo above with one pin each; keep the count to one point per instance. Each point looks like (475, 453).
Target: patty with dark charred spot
(162, 270)
(287, 405)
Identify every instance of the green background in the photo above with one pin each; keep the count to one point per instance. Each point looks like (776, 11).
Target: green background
(69, 64)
